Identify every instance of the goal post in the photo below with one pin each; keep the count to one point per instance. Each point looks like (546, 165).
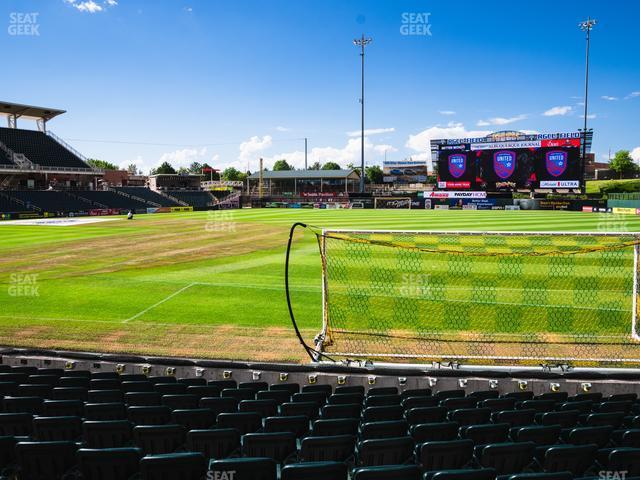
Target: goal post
(481, 297)
(392, 203)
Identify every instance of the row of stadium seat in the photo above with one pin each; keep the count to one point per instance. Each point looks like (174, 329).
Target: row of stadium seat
(194, 198)
(40, 148)
(148, 195)
(136, 423)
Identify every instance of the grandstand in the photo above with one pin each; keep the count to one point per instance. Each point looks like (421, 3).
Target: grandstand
(48, 201)
(195, 198)
(110, 199)
(153, 198)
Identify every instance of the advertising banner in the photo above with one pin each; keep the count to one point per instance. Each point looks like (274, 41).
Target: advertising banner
(405, 171)
(454, 194)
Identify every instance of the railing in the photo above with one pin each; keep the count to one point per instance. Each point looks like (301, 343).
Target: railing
(67, 146)
(38, 168)
(222, 183)
(171, 197)
(134, 197)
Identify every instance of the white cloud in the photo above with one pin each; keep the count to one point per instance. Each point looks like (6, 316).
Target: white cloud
(500, 120)
(421, 142)
(635, 154)
(251, 147)
(609, 97)
(446, 112)
(591, 115)
(282, 129)
(90, 6)
(184, 157)
(632, 95)
(555, 111)
(371, 131)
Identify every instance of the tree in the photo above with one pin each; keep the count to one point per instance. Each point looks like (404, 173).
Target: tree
(622, 163)
(102, 164)
(132, 168)
(331, 166)
(315, 166)
(374, 174)
(195, 167)
(231, 174)
(165, 168)
(281, 165)
(183, 171)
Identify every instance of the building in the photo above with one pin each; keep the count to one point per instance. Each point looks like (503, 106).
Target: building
(301, 182)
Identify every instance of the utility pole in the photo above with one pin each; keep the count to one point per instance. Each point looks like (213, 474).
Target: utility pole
(305, 154)
(586, 26)
(362, 42)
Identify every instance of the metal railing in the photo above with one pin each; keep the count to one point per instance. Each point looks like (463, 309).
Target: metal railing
(67, 146)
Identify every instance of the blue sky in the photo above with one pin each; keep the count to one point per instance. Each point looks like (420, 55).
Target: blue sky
(231, 81)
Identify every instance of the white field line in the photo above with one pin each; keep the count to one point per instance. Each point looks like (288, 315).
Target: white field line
(177, 292)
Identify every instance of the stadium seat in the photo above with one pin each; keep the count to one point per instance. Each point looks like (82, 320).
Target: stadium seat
(189, 381)
(444, 394)
(318, 388)
(180, 401)
(69, 393)
(104, 384)
(456, 403)
(308, 409)
(183, 465)
(484, 394)
(109, 463)
(564, 418)
(382, 400)
(614, 406)
(393, 428)
(416, 392)
(45, 460)
(244, 422)
(586, 435)
(149, 415)
(174, 388)
(219, 405)
(419, 415)
(506, 458)
(336, 448)
(156, 439)
(624, 460)
(387, 472)
(384, 451)
(315, 471)
(277, 446)
(193, 418)
(106, 434)
(238, 393)
(569, 458)
(538, 434)
(444, 455)
(202, 391)
(104, 411)
(30, 405)
(417, 402)
(136, 386)
(539, 405)
(498, 404)
(379, 414)
(34, 390)
(105, 396)
(434, 432)
(246, 468)
(7, 452)
(622, 397)
(47, 429)
(265, 408)
(555, 396)
(255, 386)
(16, 424)
(350, 389)
(462, 474)
(350, 410)
(287, 387)
(539, 476)
(486, 433)
(222, 384)
(298, 425)
(515, 418)
(583, 407)
(519, 395)
(335, 426)
(317, 397)
(142, 399)
(345, 398)
(158, 379)
(216, 444)
(470, 416)
(57, 408)
(598, 419)
(278, 396)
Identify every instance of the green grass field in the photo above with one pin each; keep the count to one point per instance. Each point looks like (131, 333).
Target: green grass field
(203, 284)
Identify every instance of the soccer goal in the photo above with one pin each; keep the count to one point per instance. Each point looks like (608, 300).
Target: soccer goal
(392, 202)
(481, 297)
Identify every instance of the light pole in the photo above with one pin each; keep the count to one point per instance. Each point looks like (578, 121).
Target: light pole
(586, 26)
(362, 42)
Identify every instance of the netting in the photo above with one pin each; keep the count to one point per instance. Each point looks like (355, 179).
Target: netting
(498, 298)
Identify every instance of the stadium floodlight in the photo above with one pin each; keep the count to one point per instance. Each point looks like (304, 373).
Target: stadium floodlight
(586, 26)
(362, 42)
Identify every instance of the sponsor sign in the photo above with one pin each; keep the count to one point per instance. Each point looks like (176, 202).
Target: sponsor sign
(559, 184)
(626, 210)
(512, 207)
(587, 209)
(181, 209)
(441, 207)
(454, 184)
(566, 142)
(506, 145)
(405, 171)
(455, 194)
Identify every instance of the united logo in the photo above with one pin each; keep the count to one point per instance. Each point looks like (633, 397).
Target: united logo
(556, 162)
(457, 165)
(504, 163)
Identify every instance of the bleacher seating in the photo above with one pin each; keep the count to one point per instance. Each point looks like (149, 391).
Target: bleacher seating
(40, 148)
(148, 195)
(49, 200)
(111, 199)
(109, 426)
(194, 198)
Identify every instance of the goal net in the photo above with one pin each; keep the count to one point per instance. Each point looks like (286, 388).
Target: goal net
(481, 297)
(392, 202)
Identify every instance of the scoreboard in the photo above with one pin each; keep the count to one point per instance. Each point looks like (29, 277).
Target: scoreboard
(509, 159)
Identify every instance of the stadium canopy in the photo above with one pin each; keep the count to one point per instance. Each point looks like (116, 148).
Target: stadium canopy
(307, 175)
(42, 115)
(298, 181)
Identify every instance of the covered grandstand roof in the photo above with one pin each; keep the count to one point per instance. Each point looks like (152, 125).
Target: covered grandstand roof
(22, 110)
(302, 174)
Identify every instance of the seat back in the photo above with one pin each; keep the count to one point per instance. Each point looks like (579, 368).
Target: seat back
(184, 465)
(45, 460)
(106, 434)
(384, 451)
(277, 446)
(336, 448)
(216, 444)
(157, 439)
(109, 463)
(444, 455)
(507, 458)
